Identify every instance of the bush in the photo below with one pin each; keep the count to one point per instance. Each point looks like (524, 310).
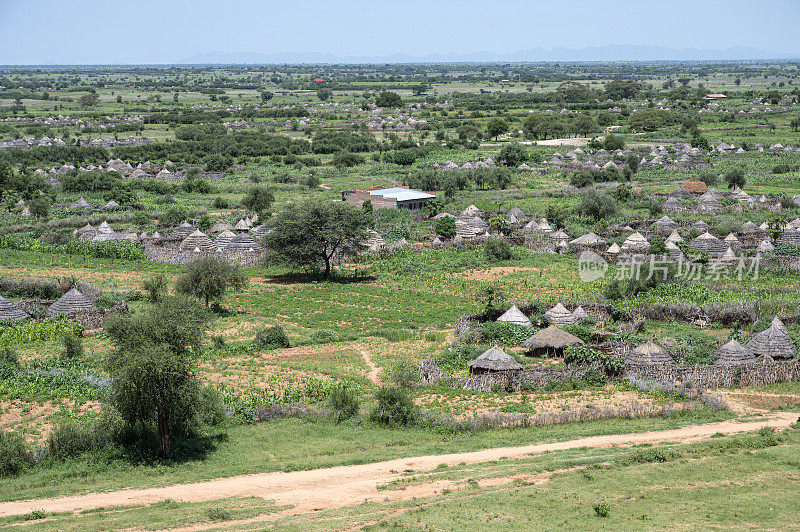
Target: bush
(219, 514)
(495, 250)
(324, 336)
(344, 404)
(220, 203)
(345, 159)
(15, 455)
(394, 407)
(210, 407)
(155, 287)
(602, 509)
(597, 206)
(70, 440)
(404, 374)
(508, 334)
(9, 362)
(271, 338)
(513, 154)
(446, 227)
(613, 142)
(73, 348)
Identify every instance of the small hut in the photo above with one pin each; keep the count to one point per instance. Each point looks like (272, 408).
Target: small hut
(614, 249)
(196, 242)
(578, 314)
(242, 242)
(220, 226)
(81, 204)
(589, 240)
(733, 354)
(85, 233)
(11, 312)
(494, 360)
(515, 315)
(673, 205)
(243, 225)
(649, 353)
(224, 238)
(560, 316)
(72, 304)
(674, 236)
(774, 342)
(551, 341)
(636, 243)
(183, 230)
(701, 226)
(665, 224)
(710, 243)
(765, 246)
(680, 192)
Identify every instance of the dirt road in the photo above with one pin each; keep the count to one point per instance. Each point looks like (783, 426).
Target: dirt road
(374, 370)
(338, 487)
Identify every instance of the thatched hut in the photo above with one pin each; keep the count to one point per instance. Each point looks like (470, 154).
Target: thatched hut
(665, 224)
(220, 226)
(765, 246)
(589, 240)
(709, 205)
(243, 225)
(85, 233)
(494, 360)
(709, 243)
(673, 205)
(515, 315)
(636, 243)
(579, 313)
(733, 354)
(242, 242)
(649, 353)
(551, 341)
(80, 204)
(11, 312)
(680, 192)
(701, 226)
(71, 304)
(773, 341)
(614, 249)
(182, 231)
(196, 242)
(224, 238)
(674, 236)
(560, 316)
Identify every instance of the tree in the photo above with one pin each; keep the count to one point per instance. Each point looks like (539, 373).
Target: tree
(446, 227)
(584, 125)
(795, 124)
(633, 162)
(312, 232)
(420, 89)
(735, 178)
(324, 94)
(389, 99)
(39, 208)
(597, 206)
(153, 386)
(513, 154)
(88, 99)
(496, 127)
(613, 142)
(209, 278)
(404, 157)
(623, 88)
(258, 200)
(266, 96)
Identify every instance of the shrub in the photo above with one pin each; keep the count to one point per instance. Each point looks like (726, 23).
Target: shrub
(495, 249)
(611, 364)
(220, 203)
(597, 206)
(344, 404)
(513, 154)
(219, 514)
(73, 348)
(210, 407)
(446, 227)
(70, 440)
(345, 159)
(155, 287)
(508, 334)
(15, 455)
(404, 374)
(394, 407)
(9, 362)
(602, 509)
(324, 336)
(271, 338)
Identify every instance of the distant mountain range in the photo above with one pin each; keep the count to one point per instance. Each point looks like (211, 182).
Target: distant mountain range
(610, 52)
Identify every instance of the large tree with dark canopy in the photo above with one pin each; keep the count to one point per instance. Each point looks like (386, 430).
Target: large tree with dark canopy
(312, 232)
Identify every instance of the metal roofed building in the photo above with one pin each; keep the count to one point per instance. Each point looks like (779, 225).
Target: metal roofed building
(391, 198)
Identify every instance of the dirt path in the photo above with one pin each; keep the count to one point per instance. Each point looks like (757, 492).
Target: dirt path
(337, 487)
(374, 369)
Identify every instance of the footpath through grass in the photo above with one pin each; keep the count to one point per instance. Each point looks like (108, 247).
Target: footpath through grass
(298, 444)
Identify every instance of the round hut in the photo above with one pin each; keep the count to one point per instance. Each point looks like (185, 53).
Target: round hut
(733, 354)
(242, 242)
(196, 242)
(551, 341)
(494, 360)
(224, 238)
(649, 353)
(72, 304)
(515, 315)
(11, 312)
(774, 342)
(560, 316)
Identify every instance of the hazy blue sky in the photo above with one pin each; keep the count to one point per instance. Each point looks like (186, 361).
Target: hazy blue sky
(164, 31)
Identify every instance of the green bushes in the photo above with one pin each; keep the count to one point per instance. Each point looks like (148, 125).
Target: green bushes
(155, 287)
(115, 249)
(344, 404)
(611, 364)
(404, 374)
(500, 333)
(271, 338)
(495, 250)
(73, 348)
(394, 407)
(70, 440)
(446, 227)
(30, 331)
(15, 455)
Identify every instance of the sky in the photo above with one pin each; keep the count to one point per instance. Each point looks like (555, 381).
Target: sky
(169, 31)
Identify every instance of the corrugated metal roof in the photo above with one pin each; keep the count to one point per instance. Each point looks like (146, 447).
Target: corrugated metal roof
(401, 194)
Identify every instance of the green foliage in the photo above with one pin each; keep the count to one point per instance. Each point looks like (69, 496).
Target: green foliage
(446, 227)
(506, 334)
(388, 99)
(403, 374)
(597, 206)
(9, 362)
(15, 455)
(115, 249)
(602, 509)
(344, 403)
(613, 142)
(73, 348)
(393, 407)
(646, 277)
(404, 157)
(492, 298)
(496, 127)
(735, 178)
(258, 200)
(496, 250)
(155, 287)
(513, 154)
(27, 332)
(271, 338)
(611, 364)
(71, 439)
(208, 278)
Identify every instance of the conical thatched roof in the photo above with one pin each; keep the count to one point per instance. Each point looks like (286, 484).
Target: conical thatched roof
(469, 212)
(680, 192)
(104, 228)
(11, 312)
(71, 303)
(260, 231)
(224, 238)
(242, 225)
(559, 315)
(614, 248)
(579, 314)
(750, 227)
(733, 354)
(672, 205)
(730, 238)
(649, 353)
(220, 226)
(636, 242)
(81, 203)
(589, 239)
(86, 232)
(666, 223)
(773, 341)
(531, 227)
(494, 359)
(517, 213)
(552, 338)
(242, 242)
(708, 242)
(765, 246)
(701, 226)
(515, 315)
(197, 241)
(674, 236)
(183, 230)
(111, 205)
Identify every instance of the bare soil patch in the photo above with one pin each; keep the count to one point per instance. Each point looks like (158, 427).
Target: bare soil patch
(497, 271)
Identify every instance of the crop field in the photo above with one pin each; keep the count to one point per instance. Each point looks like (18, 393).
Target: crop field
(342, 343)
